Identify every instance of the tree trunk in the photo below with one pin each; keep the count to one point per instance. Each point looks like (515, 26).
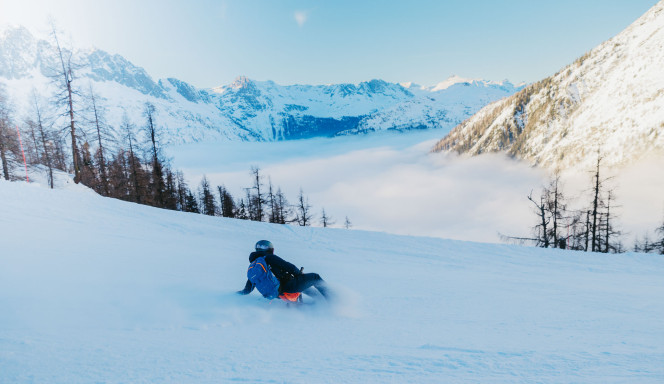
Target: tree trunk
(102, 161)
(555, 214)
(587, 234)
(47, 155)
(608, 224)
(3, 157)
(67, 74)
(259, 197)
(595, 244)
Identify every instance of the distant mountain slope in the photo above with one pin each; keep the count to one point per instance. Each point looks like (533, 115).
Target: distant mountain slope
(612, 98)
(246, 109)
(443, 106)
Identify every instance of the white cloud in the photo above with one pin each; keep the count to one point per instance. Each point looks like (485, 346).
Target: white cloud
(391, 186)
(301, 17)
(385, 188)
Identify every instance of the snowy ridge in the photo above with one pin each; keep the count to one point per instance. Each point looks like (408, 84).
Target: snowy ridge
(99, 290)
(442, 106)
(452, 80)
(246, 109)
(612, 98)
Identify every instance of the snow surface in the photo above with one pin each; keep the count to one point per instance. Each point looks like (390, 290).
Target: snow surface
(95, 290)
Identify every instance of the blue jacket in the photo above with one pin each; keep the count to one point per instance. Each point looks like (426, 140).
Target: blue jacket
(282, 269)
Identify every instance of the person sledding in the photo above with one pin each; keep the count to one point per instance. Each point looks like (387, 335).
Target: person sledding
(274, 277)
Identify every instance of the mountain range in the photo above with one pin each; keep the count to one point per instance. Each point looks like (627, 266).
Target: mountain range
(609, 100)
(246, 109)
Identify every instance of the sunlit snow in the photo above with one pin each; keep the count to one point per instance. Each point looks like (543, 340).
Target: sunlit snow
(98, 290)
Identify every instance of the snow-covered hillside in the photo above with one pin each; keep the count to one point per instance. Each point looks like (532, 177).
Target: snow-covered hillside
(443, 106)
(246, 109)
(99, 290)
(612, 98)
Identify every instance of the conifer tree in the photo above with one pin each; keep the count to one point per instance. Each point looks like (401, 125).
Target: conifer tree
(325, 220)
(303, 210)
(272, 203)
(88, 174)
(191, 205)
(171, 191)
(31, 145)
(596, 205)
(134, 162)
(586, 232)
(241, 212)
(226, 202)
(208, 204)
(637, 246)
(347, 223)
(257, 200)
(157, 184)
(659, 243)
(59, 153)
(102, 135)
(182, 190)
(601, 218)
(42, 136)
(249, 205)
(63, 77)
(556, 207)
(283, 208)
(5, 133)
(574, 239)
(541, 229)
(118, 176)
(608, 225)
(647, 246)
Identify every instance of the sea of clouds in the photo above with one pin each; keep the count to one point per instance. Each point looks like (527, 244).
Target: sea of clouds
(391, 183)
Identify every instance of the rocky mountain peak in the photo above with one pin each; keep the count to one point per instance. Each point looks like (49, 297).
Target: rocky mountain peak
(611, 98)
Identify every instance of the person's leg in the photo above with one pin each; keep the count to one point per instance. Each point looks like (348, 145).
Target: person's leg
(311, 292)
(305, 281)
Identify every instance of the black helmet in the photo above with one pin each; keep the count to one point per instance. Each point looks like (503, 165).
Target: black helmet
(264, 246)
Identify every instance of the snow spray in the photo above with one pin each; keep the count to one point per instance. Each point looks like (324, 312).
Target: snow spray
(27, 179)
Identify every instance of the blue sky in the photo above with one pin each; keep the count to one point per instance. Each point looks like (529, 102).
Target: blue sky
(210, 42)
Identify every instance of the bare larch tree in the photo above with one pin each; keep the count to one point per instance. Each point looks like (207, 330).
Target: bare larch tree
(64, 78)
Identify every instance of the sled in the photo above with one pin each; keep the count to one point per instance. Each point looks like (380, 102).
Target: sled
(292, 298)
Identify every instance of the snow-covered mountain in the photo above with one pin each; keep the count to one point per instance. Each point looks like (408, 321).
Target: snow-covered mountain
(443, 106)
(612, 98)
(246, 109)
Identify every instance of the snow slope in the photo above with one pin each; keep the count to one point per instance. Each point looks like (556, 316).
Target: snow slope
(98, 290)
(611, 98)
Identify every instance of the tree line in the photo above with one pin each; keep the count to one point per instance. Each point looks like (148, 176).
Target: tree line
(68, 131)
(261, 202)
(54, 121)
(592, 228)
